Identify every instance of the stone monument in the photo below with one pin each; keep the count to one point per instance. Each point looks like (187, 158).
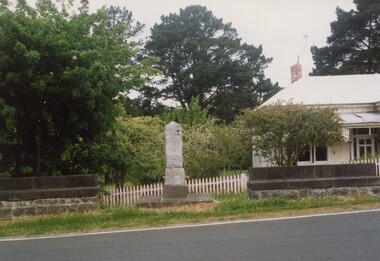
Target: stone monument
(175, 183)
(175, 190)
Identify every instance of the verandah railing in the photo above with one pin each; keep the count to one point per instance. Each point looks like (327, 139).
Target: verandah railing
(216, 185)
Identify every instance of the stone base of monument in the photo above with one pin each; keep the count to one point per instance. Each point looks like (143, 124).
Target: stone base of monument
(161, 201)
(175, 191)
(173, 195)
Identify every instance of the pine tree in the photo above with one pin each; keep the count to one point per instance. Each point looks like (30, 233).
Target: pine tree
(354, 44)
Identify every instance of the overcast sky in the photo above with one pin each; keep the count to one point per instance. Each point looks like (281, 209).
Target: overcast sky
(279, 26)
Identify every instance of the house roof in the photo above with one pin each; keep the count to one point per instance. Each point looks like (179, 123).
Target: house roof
(368, 119)
(331, 90)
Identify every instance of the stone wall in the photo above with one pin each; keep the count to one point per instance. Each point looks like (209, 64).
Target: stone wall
(314, 180)
(313, 171)
(23, 197)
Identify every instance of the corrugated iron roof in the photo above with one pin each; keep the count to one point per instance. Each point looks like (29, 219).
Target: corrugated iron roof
(357, 119)
(331, 90)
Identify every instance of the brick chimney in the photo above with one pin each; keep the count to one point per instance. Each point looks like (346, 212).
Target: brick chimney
(296, 72)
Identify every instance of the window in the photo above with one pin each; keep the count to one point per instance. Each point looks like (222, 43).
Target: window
(314, 155)
(320, 154)
(364, 143)
(363, 147)
(361, 131)
(305, 156)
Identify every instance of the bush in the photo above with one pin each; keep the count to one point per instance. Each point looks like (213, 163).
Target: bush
(211, 148)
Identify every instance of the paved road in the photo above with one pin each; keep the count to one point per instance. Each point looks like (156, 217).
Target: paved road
(354, 236)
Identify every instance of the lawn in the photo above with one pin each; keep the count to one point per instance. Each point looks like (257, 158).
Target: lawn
(227, 207)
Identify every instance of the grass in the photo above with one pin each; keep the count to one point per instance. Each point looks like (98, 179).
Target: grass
(229, 207)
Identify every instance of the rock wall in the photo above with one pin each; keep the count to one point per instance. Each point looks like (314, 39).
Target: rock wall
(26, 208)
(314, 180)
(23, 197)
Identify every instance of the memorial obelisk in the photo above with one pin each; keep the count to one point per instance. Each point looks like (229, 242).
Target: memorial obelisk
(175, 182)
(175, 191)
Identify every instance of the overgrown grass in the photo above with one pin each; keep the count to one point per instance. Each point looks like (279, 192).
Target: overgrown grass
(227, 207)
(241, 204)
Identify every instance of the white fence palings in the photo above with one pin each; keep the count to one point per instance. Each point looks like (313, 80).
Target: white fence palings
(129, 195)
(215, 185)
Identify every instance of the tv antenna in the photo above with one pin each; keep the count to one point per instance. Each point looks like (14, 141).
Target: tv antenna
(298, 57)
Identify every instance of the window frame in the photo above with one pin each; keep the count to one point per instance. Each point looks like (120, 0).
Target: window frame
(313, 157)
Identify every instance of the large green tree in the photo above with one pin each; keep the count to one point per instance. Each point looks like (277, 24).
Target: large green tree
(61, 75)
(201, 56)
(354, 44)
(123, 17)
(282, 132)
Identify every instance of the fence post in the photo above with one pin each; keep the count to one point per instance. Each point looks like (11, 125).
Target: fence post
(190, 184)
(214, 190)
(245, 181)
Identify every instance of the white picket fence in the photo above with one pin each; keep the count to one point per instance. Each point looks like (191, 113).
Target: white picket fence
(373, 160)
(216, 185)
(219, 185)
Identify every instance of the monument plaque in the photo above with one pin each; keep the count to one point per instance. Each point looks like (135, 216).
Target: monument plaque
(173, 145)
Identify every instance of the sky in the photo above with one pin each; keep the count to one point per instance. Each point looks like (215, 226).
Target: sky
(285, 28)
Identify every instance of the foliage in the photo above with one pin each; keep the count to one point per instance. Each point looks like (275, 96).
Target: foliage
(354, 44)
(147, 137)
(211, 148)
(61, 75)
(114, 155)
(121, 17)
(208, 147)
(133, 151)
(143, 106)
(192, 117)
(282, 132)
(7, 134)
(200, 56)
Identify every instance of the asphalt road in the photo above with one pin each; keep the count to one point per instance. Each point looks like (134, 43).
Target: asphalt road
(354, 236)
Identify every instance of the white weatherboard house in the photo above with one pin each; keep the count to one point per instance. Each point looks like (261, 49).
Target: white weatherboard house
(357, 98)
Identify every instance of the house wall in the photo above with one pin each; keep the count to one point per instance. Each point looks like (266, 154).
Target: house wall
(258, 161)
(339, 153)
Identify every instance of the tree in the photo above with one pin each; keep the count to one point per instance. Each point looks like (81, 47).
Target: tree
(113, 155)
(283, 132)
(200, 56)
(7, 135)
(132, 151)
(354, 44)
(147, 137)
(61, 75)
(143, 106)
(194, 116)
(123, 17)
